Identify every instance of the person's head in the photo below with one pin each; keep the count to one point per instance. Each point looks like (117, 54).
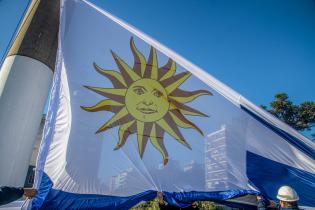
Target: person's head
(287, 196)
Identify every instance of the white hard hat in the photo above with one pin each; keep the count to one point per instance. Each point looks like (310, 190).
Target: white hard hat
(286, 193)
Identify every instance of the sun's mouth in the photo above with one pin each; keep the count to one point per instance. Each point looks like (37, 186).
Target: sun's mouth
(146, 110)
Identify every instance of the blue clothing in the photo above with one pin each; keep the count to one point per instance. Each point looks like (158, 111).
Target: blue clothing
(9, 194)
(263, 205)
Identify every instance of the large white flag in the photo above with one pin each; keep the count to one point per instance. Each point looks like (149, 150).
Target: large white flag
(129, 117)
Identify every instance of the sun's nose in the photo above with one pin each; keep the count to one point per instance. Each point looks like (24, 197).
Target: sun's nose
(147, 102)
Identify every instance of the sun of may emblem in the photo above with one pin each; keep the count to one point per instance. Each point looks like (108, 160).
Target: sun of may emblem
(146, 100)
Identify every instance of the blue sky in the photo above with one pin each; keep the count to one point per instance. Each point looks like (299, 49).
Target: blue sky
(256, 47)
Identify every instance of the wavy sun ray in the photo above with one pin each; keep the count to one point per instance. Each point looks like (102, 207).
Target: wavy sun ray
(139, 60)
(186, 96)
(146, 101)
(105, 105)
(113, 76)
(124, 132)
(157, 139)
(168, 70)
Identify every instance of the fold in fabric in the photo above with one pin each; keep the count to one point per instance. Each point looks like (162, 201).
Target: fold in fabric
(57, 199)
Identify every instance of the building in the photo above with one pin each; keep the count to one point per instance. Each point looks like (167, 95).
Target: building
(120, 181)
(216, 163)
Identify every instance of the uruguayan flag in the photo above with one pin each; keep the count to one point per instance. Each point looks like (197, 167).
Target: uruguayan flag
(129, 117)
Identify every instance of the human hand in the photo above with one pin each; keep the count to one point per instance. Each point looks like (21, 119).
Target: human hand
(272, 204)
(159, 195)
(259, 198)
(30, 192)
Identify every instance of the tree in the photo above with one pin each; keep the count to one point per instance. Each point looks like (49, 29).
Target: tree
(301, 117)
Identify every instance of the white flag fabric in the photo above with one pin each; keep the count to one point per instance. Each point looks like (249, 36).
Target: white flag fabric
(129, 117)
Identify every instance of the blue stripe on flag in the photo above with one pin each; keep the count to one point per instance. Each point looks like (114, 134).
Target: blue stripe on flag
(286, 136)
(185, 199)
(268, 175)
(49, 198)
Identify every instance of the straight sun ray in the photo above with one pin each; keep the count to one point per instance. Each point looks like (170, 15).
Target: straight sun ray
(156, 138)
(174, 82)
(139, 59)
(172, 129)
(121, 117)
(128, 74)
(168, 70)
(116, 78)
(147, 101)
(186, 110)
(143, 134)
(182, 121)
(151, 70)
(187, 96)
(124, 132)
(105, 105)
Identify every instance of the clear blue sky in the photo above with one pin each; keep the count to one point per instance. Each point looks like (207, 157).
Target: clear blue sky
(256, 47)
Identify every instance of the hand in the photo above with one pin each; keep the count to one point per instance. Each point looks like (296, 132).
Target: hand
(259, 198)
(30, 192)
(272, 204)
(159, 195)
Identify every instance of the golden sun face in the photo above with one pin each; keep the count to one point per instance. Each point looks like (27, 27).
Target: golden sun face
(146, 101)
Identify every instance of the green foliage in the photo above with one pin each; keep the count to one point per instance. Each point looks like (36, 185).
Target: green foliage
(301, 117)
(153, 205)
(150, 205)
(203, 205)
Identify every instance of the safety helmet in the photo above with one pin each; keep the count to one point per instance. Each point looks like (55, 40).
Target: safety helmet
(287, 193)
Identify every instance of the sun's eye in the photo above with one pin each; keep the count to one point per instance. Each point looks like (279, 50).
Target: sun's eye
(139, 90)
(157, 93)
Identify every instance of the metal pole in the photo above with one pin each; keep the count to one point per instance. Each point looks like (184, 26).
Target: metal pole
(25, 80)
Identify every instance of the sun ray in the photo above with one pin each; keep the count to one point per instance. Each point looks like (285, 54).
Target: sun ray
(157, 140)
(151, 70)
(168, 70)
(113, 76)
(124, 132)
(112, 93)
(119, 118)
(187, 96)
(184, 109)
(146, 101)
(170, 127)
(174, 82)
(139, 59)
(143, 134)
(105, 105)
(182, 121)
(128, 74)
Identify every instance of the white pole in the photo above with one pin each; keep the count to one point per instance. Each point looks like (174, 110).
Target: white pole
(25, 79)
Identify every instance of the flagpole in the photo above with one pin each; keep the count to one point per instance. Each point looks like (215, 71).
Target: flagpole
(25, 80)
